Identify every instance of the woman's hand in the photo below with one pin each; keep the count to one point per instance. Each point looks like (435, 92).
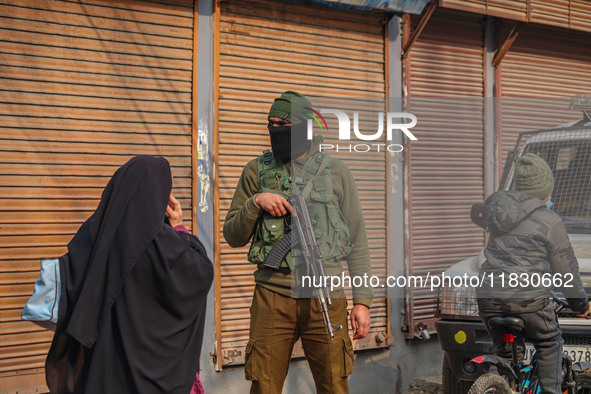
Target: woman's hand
(174, 211)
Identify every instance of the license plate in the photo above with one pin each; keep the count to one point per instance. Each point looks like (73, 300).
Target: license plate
(576, 353)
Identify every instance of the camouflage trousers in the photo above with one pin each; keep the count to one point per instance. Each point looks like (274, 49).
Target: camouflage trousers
(541, 329)
(276, 323)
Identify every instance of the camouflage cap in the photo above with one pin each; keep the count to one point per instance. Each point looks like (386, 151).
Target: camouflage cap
(533, 176)
(292, 107)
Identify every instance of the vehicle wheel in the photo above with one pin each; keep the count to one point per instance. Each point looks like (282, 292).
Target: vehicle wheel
(583, 383)
(490, 383)
(450, 382)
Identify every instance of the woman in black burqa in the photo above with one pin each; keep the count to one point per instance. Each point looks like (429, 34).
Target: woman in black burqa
(132, 309)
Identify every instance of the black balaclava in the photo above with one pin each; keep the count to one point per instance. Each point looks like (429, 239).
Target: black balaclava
(289, 142)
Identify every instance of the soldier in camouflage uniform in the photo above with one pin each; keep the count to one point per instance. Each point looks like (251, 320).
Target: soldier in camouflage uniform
(258, 211)
(528, 239)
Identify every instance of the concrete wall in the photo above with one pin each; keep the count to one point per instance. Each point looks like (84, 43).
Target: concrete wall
(377, 371)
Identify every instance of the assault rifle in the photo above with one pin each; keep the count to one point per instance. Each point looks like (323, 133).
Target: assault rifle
(312, 254)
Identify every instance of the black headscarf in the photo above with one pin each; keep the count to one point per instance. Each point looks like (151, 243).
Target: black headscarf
(135, 293)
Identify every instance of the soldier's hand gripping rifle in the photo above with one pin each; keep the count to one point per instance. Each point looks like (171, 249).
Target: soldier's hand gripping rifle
(312, 254)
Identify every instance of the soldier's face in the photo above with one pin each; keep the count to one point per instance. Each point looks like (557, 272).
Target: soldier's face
(275, 121)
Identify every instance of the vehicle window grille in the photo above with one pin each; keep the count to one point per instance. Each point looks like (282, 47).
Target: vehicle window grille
(568, 153)
(567, 313)
(577, 340)
(458, 301)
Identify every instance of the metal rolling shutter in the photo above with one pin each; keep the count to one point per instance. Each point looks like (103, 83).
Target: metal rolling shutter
(84, 86)
(573, 14)
(317, 51)
(542, 70)
(445, 167)
(514, 9)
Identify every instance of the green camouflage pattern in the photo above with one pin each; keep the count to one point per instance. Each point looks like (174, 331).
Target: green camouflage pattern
(244, 214)
(330, 229)
(527, 241)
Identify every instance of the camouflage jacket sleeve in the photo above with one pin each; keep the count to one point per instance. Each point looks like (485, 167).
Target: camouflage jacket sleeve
(244, 212)
(563, 262)
(358, 261)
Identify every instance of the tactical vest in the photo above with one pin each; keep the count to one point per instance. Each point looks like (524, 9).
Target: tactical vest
(314, 183)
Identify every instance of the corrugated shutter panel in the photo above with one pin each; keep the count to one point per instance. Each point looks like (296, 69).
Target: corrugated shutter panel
(267, 48)
(580, 10)
(543, 65)
(83, 87)
(513, 9)
(574, 14)
(445, 166)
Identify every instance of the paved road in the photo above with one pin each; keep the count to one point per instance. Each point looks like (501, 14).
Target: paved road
(426, 385)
